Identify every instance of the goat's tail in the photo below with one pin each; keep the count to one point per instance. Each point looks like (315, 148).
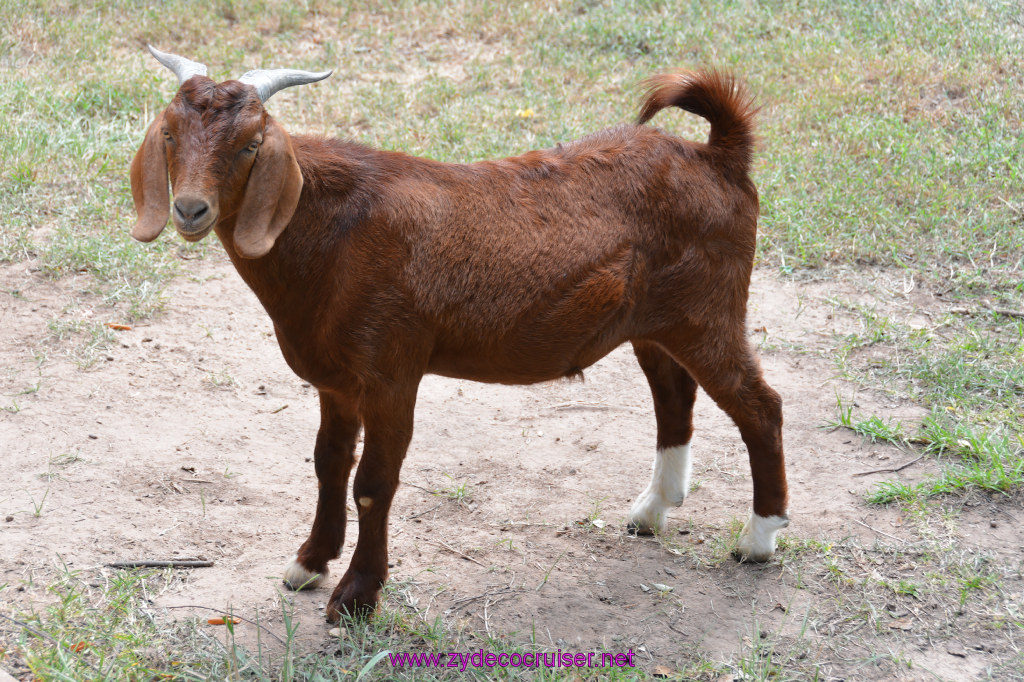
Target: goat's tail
(713, 95)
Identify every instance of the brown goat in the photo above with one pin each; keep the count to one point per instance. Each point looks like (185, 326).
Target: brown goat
(377, 268)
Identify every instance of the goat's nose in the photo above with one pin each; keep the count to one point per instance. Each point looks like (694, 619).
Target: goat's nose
(190, 209)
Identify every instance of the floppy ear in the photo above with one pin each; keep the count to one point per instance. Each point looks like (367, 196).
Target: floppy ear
(149, 184)
(271, 195)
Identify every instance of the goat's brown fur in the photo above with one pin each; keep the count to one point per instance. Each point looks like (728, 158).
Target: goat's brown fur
(387, 267)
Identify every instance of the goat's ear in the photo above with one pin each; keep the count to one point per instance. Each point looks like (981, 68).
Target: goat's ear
(149, 184)
(271, 195)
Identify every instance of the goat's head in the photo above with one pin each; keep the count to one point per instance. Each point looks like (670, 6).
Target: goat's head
(226, 158)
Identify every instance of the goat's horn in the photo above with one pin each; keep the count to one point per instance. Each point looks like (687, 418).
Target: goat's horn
(267, 82)
(182, 68)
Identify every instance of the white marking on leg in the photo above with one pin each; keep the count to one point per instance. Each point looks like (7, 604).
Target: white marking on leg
(670, 483)
(297, 577)
(757, 539)
(363, 504)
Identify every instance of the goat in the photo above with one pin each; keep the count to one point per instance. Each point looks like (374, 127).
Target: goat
(378, 267)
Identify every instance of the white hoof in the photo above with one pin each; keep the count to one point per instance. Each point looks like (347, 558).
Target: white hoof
(669, 485)
(296, 577)
(757, 539)
(648, 512)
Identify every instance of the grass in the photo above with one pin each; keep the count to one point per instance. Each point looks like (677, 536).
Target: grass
(102, 627)
(890, 143)
(462, 493)
(967, 373)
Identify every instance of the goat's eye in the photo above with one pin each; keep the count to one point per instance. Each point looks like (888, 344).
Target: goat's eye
(167, 136)
(252, 147)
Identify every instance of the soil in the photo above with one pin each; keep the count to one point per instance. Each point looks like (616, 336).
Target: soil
(191, 438)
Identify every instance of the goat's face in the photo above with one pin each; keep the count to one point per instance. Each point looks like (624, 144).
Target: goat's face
(211, 136)
(229, 163)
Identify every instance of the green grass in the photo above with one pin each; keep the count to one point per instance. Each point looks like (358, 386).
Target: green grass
(968, 373)
(103, 627)
(890, 132)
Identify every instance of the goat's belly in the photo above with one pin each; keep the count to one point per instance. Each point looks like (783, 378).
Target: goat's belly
(520, 365)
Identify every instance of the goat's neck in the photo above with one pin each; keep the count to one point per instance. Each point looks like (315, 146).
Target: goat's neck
(291, 279)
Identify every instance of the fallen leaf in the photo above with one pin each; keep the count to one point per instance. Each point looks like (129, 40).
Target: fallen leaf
(644, 588)
(663, 671)
(901, 624)
(662, 588)
(234, 620)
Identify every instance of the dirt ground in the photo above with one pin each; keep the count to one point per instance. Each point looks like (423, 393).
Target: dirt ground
(190, 437)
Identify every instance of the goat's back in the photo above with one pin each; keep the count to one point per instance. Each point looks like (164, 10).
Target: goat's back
(561, 253)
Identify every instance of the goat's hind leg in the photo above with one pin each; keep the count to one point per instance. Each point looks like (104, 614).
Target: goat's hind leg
(333, 456)
(726, 367)
(674, 392)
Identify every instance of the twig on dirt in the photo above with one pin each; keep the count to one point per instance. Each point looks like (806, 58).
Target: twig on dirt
(524, 523)
(880, 532)
(578, 404)
(233, 615)
(892, 469)
(978, 311)
(584, 405)
(165, 531)
(466, 600)
(416, 516)
(283, 407)
(487, 627)
(444, 545)
(672, 627)
(150, 563)
(56, 642)
(419, 487)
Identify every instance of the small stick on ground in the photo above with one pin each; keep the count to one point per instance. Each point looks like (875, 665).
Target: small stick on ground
(422, 513)
(419, 487)
(890, 470)
(979, 311)
(880, 532)
(147, 563)
(465, 600)
(451, 549)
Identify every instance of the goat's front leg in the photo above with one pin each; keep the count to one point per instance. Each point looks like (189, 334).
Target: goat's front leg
(334, 455)
(389, 422)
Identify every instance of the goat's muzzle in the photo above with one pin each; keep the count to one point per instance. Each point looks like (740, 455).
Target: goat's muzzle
(193, 217)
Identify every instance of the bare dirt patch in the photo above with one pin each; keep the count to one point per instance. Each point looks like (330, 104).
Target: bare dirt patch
(190, 437)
